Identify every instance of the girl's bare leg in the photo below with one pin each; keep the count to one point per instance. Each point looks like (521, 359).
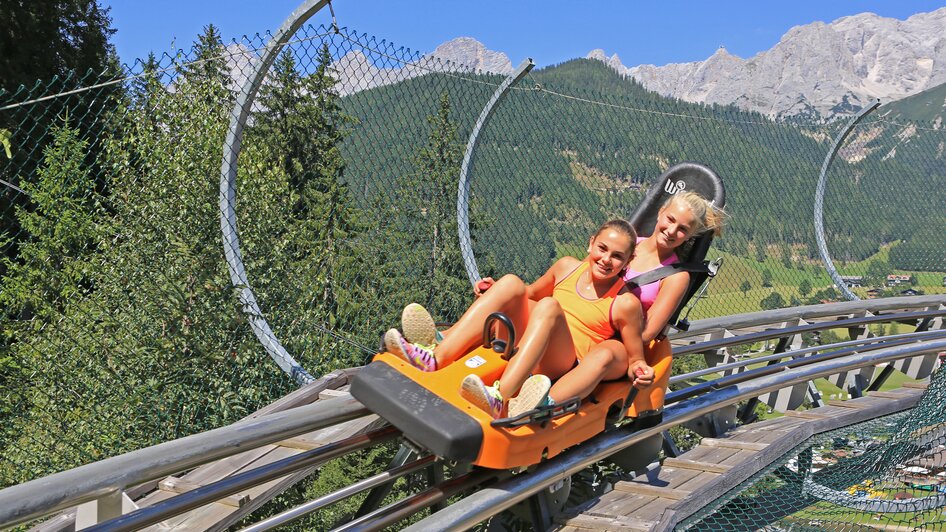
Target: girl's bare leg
(507, 295)
(605, 361)
(546, 347)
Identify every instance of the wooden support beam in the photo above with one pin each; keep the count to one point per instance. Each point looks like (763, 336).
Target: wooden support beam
(179, 485)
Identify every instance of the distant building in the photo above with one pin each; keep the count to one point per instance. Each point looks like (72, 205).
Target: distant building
(853, 281)
(894, 279)
(909, 292)
(873, 293)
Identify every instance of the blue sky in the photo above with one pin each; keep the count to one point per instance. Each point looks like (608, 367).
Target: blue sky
(550, 31)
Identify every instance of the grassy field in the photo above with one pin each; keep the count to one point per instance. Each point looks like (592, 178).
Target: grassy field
(725, 295)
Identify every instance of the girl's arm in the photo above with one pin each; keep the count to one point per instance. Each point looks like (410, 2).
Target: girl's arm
(671, 293)
(628, 319)
(543, 286)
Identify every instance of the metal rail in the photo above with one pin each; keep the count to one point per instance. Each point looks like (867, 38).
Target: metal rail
(108, 477)
(886, 340)
(196, 498)
(693, 391)
(228, 175)
(819, 200)
(331, 498)
(463, 183)
(400, 510)
(769, 334)
(492, 500)
(42, 496)
(807, 312)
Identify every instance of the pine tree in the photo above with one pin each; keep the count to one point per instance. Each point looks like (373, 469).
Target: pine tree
(61, 223)
(301, 128)
(429, 206)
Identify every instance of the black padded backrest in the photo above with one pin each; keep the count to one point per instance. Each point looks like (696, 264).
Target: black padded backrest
(682, 177)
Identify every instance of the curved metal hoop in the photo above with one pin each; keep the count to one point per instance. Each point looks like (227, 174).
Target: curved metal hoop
(463, 184)
(819, 200)
(228, 174)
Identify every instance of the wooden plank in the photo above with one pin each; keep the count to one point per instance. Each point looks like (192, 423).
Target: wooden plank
(211, 516)
(847, 404)
(808, 414)
(733, 444)
(177, 486)
(590, 522)
(860, 402)
(698, 482)
(652, 511)
(921, 385)
(616, 504)
(651, 490)
(738, 458)
(706, 467)
(331, 394)
(710, 454)
(887, 395)
(308, 393)
(300, 443)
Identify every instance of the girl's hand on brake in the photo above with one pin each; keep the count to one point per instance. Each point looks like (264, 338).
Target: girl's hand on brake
(482, 286)
(641, 374)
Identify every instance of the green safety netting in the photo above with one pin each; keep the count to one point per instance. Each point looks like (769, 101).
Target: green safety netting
(883, 474)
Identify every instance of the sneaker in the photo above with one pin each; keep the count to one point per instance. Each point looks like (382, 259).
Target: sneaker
(533, 394)
(484, 397)
(419, 357)
(419, 326)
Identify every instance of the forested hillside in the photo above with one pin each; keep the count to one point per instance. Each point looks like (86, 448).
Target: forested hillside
(550, 167)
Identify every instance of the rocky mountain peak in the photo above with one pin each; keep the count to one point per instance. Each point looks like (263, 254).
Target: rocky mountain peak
(469, 52)
(816, 66)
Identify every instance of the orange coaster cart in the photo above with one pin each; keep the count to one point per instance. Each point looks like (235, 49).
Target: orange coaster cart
(428, 408)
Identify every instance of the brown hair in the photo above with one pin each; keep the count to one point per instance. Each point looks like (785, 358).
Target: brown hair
(708, 216)
(622, 226)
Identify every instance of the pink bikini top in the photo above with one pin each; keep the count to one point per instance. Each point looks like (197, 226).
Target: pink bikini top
(648, 293)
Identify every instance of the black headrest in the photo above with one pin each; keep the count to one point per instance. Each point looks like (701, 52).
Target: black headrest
(679, 178)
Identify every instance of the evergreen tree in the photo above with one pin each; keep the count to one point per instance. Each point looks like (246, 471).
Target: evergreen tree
(62, 228)
(745, 287)
(766, 278)
(429, 208)
(772, 301)
(49, 47)
(804, 288)
(301, 128)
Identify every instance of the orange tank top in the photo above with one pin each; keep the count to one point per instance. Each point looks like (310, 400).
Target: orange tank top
(589, 320)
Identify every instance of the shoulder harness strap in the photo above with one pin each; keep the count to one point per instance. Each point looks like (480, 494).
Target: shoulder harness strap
(666, 271)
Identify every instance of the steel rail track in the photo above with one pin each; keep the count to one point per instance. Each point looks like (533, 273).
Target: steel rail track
(43, 496)
(494, 499)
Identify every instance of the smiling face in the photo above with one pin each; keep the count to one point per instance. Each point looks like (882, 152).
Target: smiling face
(675, 224)
(608, 253)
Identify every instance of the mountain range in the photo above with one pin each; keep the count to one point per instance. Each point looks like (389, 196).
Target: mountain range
(817, 70)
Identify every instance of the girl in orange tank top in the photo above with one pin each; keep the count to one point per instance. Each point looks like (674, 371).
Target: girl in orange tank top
(575, 305)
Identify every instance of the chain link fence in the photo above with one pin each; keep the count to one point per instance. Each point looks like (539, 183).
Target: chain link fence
(121, 327)
(883, 474)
